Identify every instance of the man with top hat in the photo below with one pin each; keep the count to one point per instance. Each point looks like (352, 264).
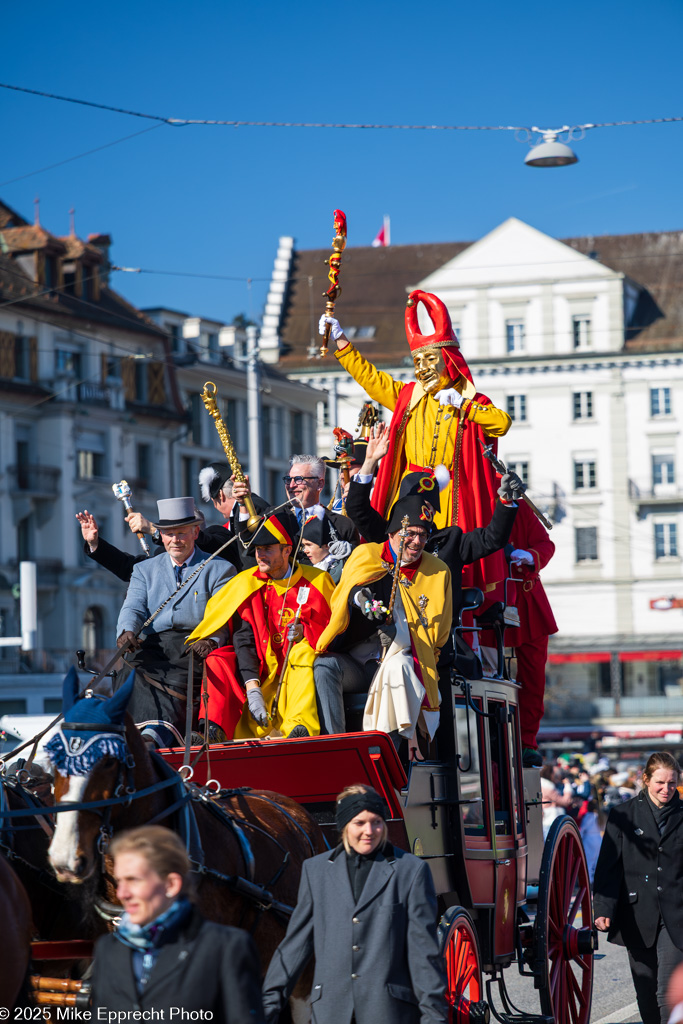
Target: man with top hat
(276, 612)
(400, 656)
(159, 654)
(438, 419)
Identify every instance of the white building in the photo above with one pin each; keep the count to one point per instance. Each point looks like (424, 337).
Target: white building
(582, 342)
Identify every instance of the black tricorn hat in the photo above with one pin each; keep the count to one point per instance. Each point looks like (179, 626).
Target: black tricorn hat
(417, 508)
(317, 531)
(359, 448)
(278, 527)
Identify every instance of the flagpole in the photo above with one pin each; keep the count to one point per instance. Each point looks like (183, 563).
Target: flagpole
(387, 229)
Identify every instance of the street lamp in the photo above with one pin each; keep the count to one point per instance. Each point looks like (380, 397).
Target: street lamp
(550, 152)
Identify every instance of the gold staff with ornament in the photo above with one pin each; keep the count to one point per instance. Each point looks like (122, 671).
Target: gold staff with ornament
(209, 399)
(334, 263)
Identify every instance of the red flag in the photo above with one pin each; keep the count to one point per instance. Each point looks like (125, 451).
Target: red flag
(383, 236)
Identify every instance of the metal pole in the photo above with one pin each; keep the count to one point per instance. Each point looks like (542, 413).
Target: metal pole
(256, 473)
(28, 604)
(332, 410)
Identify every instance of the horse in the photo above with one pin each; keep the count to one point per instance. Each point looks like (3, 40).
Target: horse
(247, 846)
(15, 938)
(24, 842)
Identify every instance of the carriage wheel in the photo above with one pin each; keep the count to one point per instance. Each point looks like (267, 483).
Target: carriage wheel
(460, 950)
(564, 927)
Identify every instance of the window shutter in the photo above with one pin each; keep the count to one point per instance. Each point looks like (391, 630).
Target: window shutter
(7, 356)
(128, 379)
(156, 391)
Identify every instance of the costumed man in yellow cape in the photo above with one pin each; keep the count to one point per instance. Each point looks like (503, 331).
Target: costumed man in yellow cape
(276, 611)
(400, 656)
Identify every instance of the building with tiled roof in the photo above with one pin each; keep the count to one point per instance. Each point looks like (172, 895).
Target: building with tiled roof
(581, 341)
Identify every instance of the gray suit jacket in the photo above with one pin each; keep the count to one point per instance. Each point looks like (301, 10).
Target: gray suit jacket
(154, 580)
(377, 958)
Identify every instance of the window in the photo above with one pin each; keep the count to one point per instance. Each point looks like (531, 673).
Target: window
(521, 468)
(25, 539)
(583, 405)
(144, 466)
(50, 272)
(67, 363)
(22, 360)
(297, 432)
(141, 382)
(22, 449)
(586, 543)
(266, 430)
(114, 367)
(174, 336)
(469, 739)
(660, 401)
(196, 416)
(323, 414)
(584, 474)
(514, 333)
(663, 470)
(666, 540)
(365, 333)
(581, 330)
(212, 344)
(52, 705)
(93, 630)
(517, 407)
(90, 456)
(13, 707)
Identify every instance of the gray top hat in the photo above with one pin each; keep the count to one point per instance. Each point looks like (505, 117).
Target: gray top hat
(177, 512)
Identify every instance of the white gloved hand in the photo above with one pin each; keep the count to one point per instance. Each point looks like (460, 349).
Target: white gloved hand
(519, 555)
(336, 330)
(449, 396)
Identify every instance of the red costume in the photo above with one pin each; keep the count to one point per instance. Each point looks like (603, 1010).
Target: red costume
(537, 621)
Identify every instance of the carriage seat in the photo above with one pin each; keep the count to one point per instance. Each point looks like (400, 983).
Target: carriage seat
(466, 662)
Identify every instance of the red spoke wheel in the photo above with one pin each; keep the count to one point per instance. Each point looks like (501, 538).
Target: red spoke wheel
(564, 927)
(462, 960)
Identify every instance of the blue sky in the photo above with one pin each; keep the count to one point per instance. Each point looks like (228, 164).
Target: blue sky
(213, 200)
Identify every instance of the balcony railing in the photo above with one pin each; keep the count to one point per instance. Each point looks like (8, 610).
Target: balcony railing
(35, 481)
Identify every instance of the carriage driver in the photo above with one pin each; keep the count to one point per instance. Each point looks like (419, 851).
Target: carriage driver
(159, 655)
(277, 612)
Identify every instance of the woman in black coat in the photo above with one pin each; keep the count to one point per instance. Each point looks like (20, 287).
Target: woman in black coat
(164, 954)
(638, 887)
(368, 912)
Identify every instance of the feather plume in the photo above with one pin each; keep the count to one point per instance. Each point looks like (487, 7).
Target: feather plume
(206, 478)
(442, 476)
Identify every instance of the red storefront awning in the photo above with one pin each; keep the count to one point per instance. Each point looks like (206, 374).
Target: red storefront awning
(650, 655)
(584, 656)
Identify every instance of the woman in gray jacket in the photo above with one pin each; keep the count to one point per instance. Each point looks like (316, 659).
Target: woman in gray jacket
(368, 913)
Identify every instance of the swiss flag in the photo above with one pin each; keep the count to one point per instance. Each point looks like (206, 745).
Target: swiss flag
(382, 238)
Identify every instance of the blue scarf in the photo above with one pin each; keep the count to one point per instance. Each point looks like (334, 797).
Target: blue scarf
(145, 937)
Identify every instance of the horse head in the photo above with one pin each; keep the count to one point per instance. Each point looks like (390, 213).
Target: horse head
(93, 761)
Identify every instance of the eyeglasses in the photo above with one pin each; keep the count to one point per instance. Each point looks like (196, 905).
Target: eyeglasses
(289, 480)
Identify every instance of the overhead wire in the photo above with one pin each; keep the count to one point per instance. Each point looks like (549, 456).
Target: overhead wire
(180, 122)
(78, 156)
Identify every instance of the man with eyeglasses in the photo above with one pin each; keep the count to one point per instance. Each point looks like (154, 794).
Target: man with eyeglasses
(304, 484)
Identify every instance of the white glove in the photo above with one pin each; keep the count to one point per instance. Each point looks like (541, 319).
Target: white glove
(450, 397)
(336, 330)
(518, 556)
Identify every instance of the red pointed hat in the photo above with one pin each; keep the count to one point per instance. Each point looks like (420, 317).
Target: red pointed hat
(443, 336)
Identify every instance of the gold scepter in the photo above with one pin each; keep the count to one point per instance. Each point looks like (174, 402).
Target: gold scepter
(334, 263)
(209, 400)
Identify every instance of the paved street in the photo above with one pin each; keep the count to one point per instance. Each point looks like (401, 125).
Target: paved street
(613, 994)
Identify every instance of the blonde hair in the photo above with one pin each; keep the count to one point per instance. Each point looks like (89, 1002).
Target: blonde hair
(359, 787)
(162, 849)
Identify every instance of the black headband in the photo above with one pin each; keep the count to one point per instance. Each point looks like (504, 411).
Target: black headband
(356, 803)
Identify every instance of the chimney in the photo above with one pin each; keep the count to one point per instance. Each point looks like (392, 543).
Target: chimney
(102, 242)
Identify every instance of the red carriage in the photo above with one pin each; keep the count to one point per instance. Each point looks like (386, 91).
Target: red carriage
(471, 811)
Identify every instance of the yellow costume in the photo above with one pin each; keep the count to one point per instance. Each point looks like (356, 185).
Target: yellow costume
(432, 433)
(426, 599)
(269, 607)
